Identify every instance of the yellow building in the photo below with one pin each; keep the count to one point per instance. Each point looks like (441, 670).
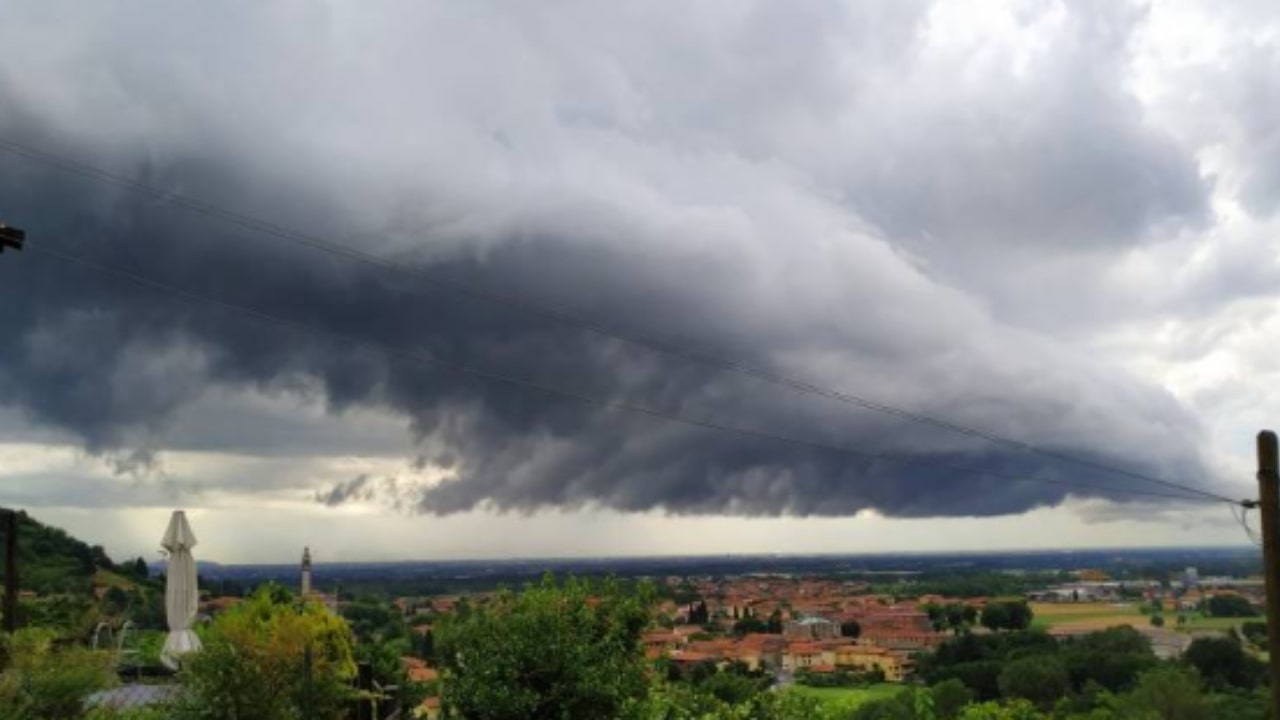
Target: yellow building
(864, 658)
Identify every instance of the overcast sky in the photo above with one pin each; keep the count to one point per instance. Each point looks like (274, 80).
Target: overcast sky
(1054, 222)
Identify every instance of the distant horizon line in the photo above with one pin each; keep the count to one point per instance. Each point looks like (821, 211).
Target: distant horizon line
(748, 555)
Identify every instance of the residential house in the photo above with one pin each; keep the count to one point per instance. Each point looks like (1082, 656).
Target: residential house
(810, 628)
(895, 665)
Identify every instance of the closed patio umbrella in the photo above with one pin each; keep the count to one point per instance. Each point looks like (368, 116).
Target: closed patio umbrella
(181, 597)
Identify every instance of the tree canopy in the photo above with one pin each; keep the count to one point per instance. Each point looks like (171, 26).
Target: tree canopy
(556, 650)
(1229, 606)
(253, 663)
(51, 560)
(1007, 615)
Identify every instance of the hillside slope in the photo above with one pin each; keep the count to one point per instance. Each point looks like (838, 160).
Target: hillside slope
(52, 561)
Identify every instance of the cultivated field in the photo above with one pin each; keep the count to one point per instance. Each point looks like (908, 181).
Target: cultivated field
(1099, 616)
(1086, 616)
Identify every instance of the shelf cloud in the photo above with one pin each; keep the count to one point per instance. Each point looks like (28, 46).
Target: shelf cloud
(855, 195)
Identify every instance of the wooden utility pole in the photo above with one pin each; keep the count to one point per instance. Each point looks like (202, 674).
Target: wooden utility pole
(1269, 501)
(11, 238)
(364, 684)
(11, 571)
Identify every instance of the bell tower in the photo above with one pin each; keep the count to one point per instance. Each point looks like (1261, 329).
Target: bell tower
(306, 571)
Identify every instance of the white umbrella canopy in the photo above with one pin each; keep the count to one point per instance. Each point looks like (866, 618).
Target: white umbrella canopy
(181, 596)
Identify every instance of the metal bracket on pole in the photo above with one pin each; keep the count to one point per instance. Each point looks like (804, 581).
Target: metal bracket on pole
(11, 238)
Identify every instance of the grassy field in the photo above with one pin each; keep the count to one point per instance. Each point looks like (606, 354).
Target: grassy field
(1199, 622)
(848, 698)
(106, 578)
(1099, 615)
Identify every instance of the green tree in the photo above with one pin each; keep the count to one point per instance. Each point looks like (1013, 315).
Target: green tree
(735, 685)
(555, 650)
(775, 622)
(1112, 658)
(252, 664)
(375, 620)
(1157, 621)
(937, 617)
(750, 624)
(1166, 693)
(1223, 663)
(51, 560)
(1229, 606)
(1007, 615)
(427, 646)
(140, 570)
(956, 616)
(899, 707)
(1240, 706)
(115, 601)
(1016, 710)
(1255, 632)
(949, 698)
(1042, 679)
(699, 614)
(41, 682)
(1020, 616)
(995, 616)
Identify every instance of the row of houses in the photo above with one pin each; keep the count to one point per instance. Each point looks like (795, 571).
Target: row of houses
(775, 652)
(1178, 598)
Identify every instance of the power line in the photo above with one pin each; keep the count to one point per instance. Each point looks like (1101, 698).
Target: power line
(427, 358)
(523, 305)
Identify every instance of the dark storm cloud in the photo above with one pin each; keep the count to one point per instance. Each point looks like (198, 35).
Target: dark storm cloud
(593, 177)
(360, 487)
(392, 491)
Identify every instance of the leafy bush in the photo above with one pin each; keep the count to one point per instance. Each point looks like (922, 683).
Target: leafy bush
(1229, 606)
(1224, 664)
(839, 678)
(554, 650)
(1256, 633)
(252, 665)
(44, 683)
(1007, 615)
(950, 697)
(1040, 679)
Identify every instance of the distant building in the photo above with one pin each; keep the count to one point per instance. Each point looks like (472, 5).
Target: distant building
(1078, 592)
(810, 628)
(306, 572)
(903, 639)
(307, 589)
(896, 666)
(804, 655)
(1191, 578)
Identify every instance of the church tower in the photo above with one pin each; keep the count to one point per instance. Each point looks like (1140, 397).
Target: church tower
(306, 571)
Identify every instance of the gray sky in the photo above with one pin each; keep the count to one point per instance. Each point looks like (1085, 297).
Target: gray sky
(1051, 221)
